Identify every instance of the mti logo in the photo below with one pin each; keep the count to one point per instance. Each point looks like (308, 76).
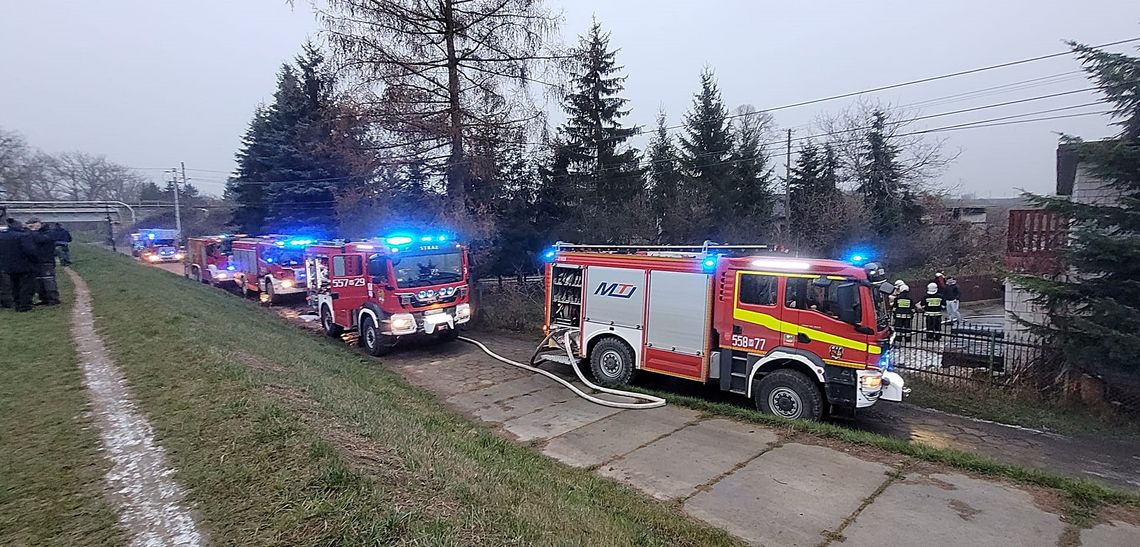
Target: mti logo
(616, 290)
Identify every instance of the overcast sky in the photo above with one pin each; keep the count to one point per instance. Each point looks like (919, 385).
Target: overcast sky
(150, 83)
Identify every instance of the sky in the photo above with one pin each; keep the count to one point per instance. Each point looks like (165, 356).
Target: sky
(151, 83)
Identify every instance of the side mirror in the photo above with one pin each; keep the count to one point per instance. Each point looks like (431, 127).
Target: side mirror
(821, 281)
(847, 296)
(886, 287)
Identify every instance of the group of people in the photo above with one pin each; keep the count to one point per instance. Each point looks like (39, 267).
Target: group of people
(937, 307)
(28, 253)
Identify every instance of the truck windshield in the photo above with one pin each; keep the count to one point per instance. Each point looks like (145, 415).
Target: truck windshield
(283, 257)
(420, 271)
(162, 242)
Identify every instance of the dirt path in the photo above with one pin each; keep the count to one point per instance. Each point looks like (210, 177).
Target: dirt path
(141, 483)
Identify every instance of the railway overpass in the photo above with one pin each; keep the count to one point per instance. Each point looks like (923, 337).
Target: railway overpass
(85, 211)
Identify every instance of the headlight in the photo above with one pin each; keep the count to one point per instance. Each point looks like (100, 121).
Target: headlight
(462, 312)
(871, 382)
(220, 275)
(402, 323)
(178, 256)
(286, 284)
(153, 258)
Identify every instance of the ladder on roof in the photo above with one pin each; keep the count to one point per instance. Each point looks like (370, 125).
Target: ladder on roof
(701, 249)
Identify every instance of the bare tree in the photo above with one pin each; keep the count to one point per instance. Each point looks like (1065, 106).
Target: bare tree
(82, 176)
(920, 158)
(22, 173)
(446, 71)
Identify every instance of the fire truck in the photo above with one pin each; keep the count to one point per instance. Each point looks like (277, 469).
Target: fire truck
(271, 265)
(157, 245)
(801, 337)
(208, 259)
(390, 288)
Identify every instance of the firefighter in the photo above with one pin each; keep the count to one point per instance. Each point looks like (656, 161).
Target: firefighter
(932, 307)
(44, 252)
(17, 261)
(903, 308)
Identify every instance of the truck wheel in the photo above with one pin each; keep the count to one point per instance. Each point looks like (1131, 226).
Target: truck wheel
(270, 297)
(331, 329)
(374, 342)
(789, 394)
(611, 361)
(449, 335)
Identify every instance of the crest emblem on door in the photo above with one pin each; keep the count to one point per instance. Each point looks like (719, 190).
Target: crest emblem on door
(836, 352)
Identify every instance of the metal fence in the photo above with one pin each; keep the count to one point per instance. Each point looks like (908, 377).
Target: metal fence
(967, 355)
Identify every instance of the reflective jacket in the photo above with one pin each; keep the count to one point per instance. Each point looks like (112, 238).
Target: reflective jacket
(903, 306)
(933, 304)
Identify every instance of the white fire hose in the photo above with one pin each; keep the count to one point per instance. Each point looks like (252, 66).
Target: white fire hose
(649, 401)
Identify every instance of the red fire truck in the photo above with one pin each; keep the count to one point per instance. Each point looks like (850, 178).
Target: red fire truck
(272, 265)
(389, 288)
(208, 259)
(157, 245)
(799, 336)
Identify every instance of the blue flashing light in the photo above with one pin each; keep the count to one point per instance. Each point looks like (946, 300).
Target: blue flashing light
(296, 242)
(280, 243)
(441, 238)
(856, 258)
(425, 238)
(230, 268)
(269, 260)
(398, 240)
(150, 235)
(709, 263)
(548, 255)
(395, 249)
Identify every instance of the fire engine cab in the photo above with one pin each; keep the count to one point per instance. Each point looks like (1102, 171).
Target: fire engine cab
(389, 288)
(799, 336)
(272, 265)
(208, 259)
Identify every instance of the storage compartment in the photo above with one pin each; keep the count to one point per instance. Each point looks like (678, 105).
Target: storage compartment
(566, 295)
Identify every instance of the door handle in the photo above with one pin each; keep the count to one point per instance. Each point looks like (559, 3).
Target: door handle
(803, 338)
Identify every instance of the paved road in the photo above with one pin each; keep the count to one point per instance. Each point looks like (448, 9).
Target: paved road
(765, 486)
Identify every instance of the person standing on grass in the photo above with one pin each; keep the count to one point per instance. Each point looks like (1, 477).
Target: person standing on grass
(62, 239)
(17, 261)
(952, 293)
(44, 253)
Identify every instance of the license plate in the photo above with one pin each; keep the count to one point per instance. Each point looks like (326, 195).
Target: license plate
(433, 312)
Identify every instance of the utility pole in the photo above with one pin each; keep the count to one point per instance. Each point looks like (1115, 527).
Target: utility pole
(788, 188)
(177, 209)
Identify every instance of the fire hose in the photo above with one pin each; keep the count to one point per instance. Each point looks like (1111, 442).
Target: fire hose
(648, 401)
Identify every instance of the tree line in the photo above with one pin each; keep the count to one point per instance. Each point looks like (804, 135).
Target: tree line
(425, 113)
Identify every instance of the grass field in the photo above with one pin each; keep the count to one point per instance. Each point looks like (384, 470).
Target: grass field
(282, 437)
(51, 471)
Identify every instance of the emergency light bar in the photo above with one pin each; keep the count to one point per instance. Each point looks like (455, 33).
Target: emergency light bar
(397, 240)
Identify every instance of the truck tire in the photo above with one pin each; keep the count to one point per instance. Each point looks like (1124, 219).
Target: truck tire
(331, 329)
(449, 335)
(611, 361)
(270, 297)
(375, 343)
(789, 394)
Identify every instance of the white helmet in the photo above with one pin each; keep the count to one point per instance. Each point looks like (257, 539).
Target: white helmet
(903, 288)
(899, 283)
(932, 288)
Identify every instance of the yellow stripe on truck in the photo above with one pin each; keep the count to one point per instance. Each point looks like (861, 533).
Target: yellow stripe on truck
(784, 327)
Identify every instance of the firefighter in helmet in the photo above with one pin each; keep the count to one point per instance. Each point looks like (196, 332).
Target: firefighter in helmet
(932, 307)
(903, 308)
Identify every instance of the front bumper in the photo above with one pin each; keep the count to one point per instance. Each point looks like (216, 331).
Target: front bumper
(442, 319)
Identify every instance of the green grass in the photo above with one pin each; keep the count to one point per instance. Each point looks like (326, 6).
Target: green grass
(283, 437)
(1083, 496)
(51, 471)
(1028, 410)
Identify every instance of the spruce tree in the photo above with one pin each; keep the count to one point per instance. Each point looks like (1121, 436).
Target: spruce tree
(806, 179)
(885, 193)
(1094, 308)
(607, 171)
(751, 194)
(290, 167)
(706, 149)
(666, 180)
